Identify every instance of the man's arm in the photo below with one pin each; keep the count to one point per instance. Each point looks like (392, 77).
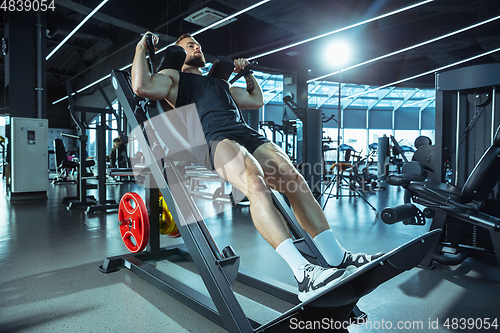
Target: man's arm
(251, 97)
(156, 86)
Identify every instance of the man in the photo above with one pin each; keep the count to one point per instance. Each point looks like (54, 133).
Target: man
(249, 161)
(114, 151)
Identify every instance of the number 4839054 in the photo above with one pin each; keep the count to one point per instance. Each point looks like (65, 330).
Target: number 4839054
(27, 5)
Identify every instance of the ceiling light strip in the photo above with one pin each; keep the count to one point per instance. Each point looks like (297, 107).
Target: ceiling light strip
(421, 101)
(341, 29)
(423, 74)
(76, 29)
(163, 49)
(88, 86)
(408, 48)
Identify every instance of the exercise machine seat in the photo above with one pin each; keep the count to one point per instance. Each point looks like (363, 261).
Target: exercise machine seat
(478, 187)
(62, 157)
(486, 173)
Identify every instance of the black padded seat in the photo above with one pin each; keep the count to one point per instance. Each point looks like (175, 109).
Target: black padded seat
(444, 189)
(403, 179)
(478, 187)
(485, 175)
(62, 156)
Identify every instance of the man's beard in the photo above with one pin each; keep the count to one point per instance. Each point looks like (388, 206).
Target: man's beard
(196, 61)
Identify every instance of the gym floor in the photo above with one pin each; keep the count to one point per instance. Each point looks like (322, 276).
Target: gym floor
(49, 280)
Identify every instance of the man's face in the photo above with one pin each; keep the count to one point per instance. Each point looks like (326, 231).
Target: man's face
(195, 56)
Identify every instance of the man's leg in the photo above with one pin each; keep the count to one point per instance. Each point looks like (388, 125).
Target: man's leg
(233, 163)
(282, 176)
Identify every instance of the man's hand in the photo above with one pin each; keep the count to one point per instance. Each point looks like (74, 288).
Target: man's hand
(251, 97)
(240, 64)
(143, 44)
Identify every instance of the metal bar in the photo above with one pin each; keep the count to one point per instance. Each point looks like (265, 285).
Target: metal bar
(152, 201)
(82, 183)
(217, 284)
(88, 109)
(457, 138)
(268, 285)
(39, 70)
(493, 101)
(297, 231)
(185, 294)
(483, 222)
(339, 140)
(101, 162)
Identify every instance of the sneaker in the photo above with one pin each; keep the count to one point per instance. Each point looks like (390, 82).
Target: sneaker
(318, 279)
(353, 261)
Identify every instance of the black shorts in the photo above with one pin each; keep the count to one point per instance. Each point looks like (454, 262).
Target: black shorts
(240, 133)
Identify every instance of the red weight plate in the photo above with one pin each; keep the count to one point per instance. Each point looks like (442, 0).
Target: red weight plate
(134, 222)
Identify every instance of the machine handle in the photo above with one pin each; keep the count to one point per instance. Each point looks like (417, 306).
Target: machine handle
(247, 70)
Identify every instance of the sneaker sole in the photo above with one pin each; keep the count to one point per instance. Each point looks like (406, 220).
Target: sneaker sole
(304, 297)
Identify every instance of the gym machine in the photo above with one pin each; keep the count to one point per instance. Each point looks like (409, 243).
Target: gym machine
(287, 132)
(220, 269)
(4, 162)
(91, 204)
(313, 154)
(456, 180)
(452, 207)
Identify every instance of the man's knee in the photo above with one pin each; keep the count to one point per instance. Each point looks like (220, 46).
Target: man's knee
(256, 184)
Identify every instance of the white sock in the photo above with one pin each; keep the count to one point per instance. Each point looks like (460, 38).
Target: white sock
(292, 256)
(329, 247)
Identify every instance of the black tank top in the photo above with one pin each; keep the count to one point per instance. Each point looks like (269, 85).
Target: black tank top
(214, 103)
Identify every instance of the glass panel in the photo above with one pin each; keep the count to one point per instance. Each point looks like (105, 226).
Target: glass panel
(430, 134)
(356, 138)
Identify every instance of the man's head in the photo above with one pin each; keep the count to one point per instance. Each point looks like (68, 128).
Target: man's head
(195, 56)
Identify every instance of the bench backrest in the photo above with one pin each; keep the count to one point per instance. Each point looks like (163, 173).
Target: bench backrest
(60, 151)
(485, 175)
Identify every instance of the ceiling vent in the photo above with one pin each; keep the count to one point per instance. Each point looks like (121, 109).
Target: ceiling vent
(206, 16)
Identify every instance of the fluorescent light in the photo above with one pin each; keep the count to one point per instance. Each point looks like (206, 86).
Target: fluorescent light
(421, 101)
(408, 48)
(423, 74)
(341, 29)
(90, 85)
(163, 49)
(75, 30)
(82, 89)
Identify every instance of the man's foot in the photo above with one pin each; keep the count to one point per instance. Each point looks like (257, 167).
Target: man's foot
(318, 279)
(353, 261)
